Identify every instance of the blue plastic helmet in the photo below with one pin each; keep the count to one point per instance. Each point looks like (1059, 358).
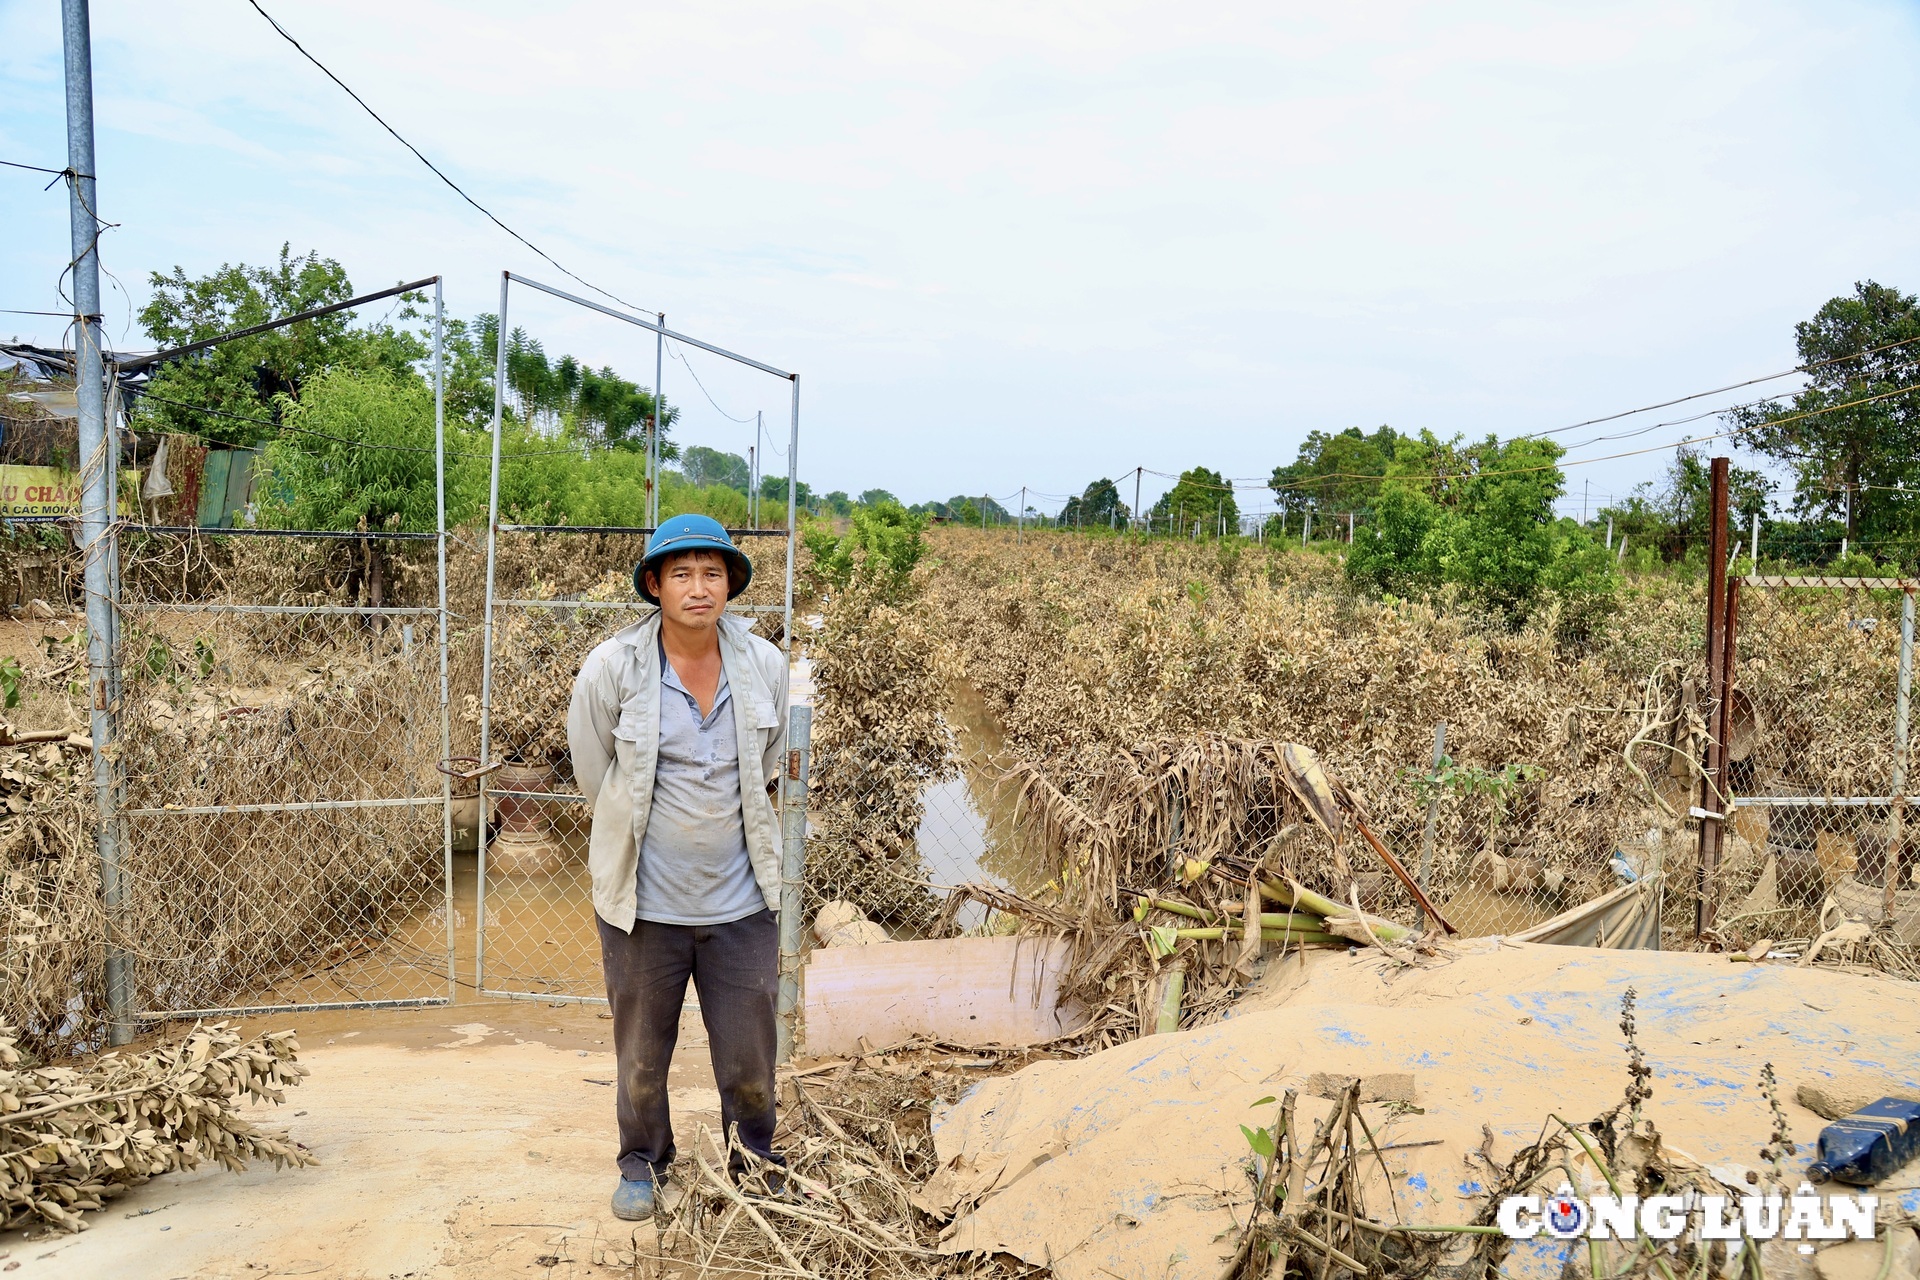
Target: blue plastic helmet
(692, 533)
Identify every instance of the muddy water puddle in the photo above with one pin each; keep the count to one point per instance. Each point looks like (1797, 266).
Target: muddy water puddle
(971, 827)
(540, 940)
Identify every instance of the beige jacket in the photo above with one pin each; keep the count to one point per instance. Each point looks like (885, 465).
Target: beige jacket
(613, 731)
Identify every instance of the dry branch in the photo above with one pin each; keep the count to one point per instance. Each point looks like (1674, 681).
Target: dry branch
(73, 1138)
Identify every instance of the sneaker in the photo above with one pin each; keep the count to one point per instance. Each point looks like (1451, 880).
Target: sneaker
(633, 1201)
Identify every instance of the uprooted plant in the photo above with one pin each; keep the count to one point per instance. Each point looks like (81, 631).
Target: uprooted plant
(1309, 1211)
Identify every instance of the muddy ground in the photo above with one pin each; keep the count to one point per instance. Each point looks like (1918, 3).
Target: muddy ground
(470, 1141)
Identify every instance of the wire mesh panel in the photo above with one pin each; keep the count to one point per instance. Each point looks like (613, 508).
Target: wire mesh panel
(1785, 857)
(557, 596)
(283, 818)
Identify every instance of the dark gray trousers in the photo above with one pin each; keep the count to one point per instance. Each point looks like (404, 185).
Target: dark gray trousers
(735, 969)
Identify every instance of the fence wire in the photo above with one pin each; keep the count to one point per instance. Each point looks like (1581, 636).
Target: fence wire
(282, 816)
(1786, 857)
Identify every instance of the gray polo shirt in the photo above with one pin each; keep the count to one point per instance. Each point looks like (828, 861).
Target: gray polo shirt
(694, 868)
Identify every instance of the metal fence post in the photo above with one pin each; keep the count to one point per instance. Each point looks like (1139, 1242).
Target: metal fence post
(659, 421)
(1900, 748)
(486, 641)
(97, 540)
(1712, 808)
(793, 867)
(1433, 806)
(446, 687)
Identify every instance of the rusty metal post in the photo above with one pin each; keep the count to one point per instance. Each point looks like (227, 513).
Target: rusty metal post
(1711, 811)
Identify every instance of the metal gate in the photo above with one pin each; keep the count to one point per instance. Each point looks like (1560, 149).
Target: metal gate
(282, 823)
(275, 832)
(554, 592)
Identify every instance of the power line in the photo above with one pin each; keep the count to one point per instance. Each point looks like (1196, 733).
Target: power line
(1241, 484)
(35, 168)
(285, 35)
(703, 388)
(1735, 386)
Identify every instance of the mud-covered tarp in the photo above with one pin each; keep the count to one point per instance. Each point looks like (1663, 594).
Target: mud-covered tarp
(1628, 918)
(1131, 1162)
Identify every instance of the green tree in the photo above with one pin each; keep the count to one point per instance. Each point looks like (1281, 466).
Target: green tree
(774, 489)
(248, 377)
(323, 475)
(1201, 496)
(1479, 517)
(1335, 473)
(875, 497)
(883, 544)
(358, 453)
(599, 406)
(1673, 514)
(1099, 507)
(1860, 464)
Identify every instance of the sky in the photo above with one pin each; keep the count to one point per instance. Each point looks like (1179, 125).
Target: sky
(1033, 244)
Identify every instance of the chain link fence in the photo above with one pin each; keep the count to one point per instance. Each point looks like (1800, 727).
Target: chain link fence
(1787, 856)
(282, 822)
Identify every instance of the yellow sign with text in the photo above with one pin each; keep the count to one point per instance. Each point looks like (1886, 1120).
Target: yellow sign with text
(51, 491)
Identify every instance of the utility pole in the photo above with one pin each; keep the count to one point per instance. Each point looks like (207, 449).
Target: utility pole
(1136, 497)
(1609, 533)
(1349, 528)
(753, 487)
(1846, 528)
(1585, 485)
(1020, 520)
(98, 463)
(1756, 542)
(659, 422)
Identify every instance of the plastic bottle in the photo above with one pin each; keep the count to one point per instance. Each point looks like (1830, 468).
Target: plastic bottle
(1869, 1144)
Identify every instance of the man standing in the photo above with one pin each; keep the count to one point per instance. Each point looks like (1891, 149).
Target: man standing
(676, 728)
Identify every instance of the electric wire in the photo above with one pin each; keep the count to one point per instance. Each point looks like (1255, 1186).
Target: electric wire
(57, 173)
(1245, 484)
(703, 387)
(1734, 386)
(488, 213)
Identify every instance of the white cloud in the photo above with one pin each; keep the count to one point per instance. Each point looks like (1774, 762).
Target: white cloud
(1007, 242)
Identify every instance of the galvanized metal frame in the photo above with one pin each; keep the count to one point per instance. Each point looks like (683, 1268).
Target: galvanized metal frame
(118, 814)
(789, 957)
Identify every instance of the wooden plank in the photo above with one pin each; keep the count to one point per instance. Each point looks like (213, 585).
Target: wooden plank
(969, 991)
